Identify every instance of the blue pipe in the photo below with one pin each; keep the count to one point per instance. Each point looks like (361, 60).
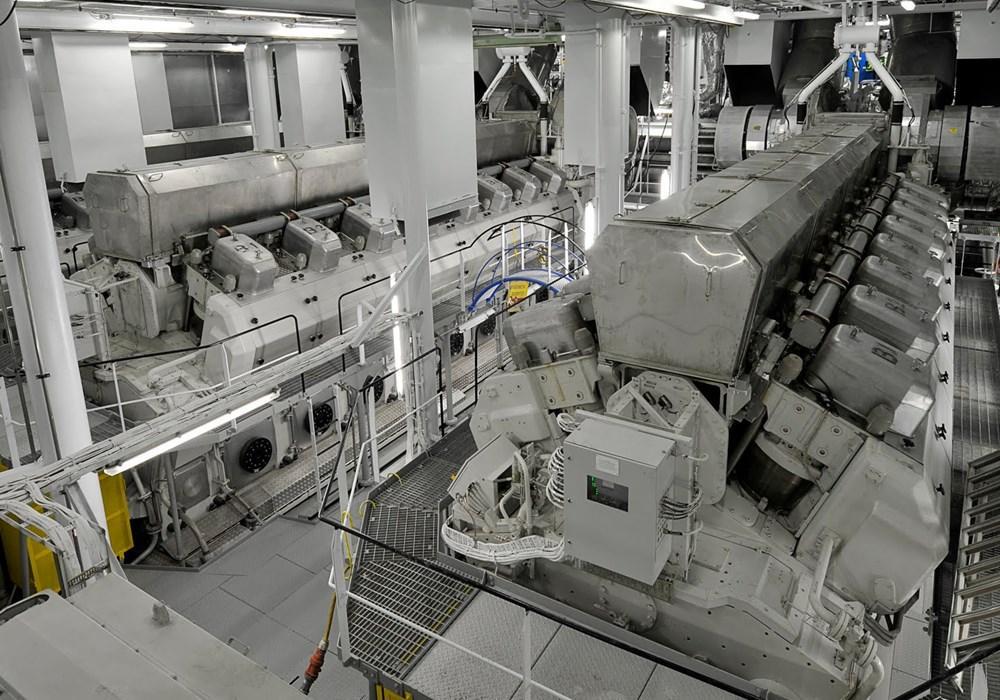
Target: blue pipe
(495, 286)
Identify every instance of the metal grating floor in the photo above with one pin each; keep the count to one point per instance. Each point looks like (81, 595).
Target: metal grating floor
(409, 590)
(426, 491)
(410, 530)
(977, 370)
(403, 512)
(976, 433)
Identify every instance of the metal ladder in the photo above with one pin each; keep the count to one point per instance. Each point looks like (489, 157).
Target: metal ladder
(975, 620)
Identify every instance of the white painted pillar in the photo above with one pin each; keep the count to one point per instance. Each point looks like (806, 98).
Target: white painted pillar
(653, 60)
(438, 116)
(35, 281)
(417, 82)
(596, 103)
(311, 93)
(91, 103)
(684, 70)
(612, 124)
(263, 101)
(153, 93)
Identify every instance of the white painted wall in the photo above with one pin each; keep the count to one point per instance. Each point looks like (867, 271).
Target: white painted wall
(310, 92)
(151, 87)
(91, 107)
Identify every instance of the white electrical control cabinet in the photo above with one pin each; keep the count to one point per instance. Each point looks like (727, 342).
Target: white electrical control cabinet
(617, 473)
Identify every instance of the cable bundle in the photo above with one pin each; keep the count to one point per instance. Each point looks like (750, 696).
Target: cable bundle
(555, 488)
(517, 550)
(566, 422)
(675, 510)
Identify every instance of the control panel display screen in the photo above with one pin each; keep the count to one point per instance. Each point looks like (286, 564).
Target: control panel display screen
(607, 493)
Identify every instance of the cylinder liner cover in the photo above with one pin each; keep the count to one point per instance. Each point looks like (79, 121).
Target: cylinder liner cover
(900, 250)
(250, 263)
(920, 205)
(899, 282)
(894, 226)
(872, 378)
(904, 326)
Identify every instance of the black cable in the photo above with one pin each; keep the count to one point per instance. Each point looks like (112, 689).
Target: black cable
(548, 614)
(10, 13)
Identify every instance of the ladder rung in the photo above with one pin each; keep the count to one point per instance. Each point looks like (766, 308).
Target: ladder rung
(981, 546)
(980, 566)
(985, 460)
(987, 490)
(981, 587)
(985, 473)
(982, 528)
(982, 508)
(964, 645)
(972, 616)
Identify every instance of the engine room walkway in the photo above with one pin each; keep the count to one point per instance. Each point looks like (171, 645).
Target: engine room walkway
(976, 434)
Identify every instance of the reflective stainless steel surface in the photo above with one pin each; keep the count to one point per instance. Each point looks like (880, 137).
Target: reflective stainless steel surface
(682, 284)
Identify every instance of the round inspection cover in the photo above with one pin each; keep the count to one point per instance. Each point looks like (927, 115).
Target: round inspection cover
(256, 454)
(322, 418)
(488, 326)
(377, 386)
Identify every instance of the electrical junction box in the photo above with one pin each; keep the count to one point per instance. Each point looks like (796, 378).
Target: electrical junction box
(616, 473)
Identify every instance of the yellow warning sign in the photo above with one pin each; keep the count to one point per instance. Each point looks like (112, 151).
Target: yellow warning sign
(518, 290)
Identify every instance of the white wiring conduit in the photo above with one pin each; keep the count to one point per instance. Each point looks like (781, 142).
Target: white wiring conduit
(543, 103)
(802, 100)
(505, 553)
(892, 85)
(497, 79)
(819, 581)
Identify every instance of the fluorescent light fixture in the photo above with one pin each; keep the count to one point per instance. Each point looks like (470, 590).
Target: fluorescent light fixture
(664, 183)
(175, 442)
(147, 45)
(662, 34)
(144, 25)
(589, 225)
(310, 31)
(397, 342)
(908, 5)
(233, 48)
(258, 13)
(746, 14)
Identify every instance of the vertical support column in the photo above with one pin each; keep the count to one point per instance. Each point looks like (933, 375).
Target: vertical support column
(152, 91)
(35, 281)
(91, 103)
(263, 101)
(596, 130)
(612, 120)
(653, 60)
(684, 69)
(421, 136)
(417, 297)
(312, 96)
